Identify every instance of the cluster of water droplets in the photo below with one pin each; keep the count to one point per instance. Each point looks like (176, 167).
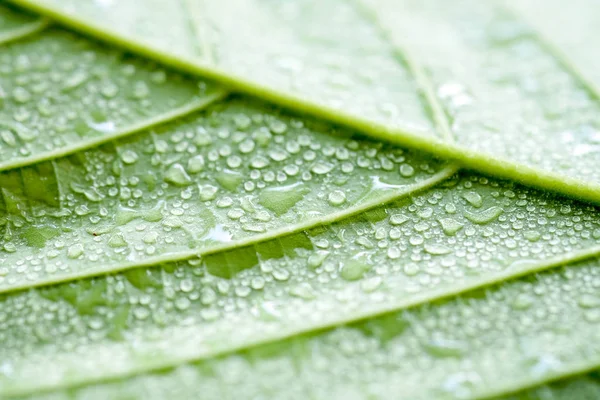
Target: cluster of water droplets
(59, 89)
(521, 329)
(233, 171)
(534, 111)
(460, 234)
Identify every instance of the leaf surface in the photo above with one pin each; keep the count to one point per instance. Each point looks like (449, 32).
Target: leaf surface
(15, 25)
(567, 31)
(487, 343)
(64, 94)
(285, 214)
(330, 58)
(234, 174)
(580, 387)
(469, 232)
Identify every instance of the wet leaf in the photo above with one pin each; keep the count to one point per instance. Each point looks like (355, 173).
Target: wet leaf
(516, 108)
(153, 222)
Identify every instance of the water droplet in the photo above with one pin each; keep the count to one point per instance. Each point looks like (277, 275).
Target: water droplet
(303, 290)
(75, 251)
(450, 226)
(473, 198)
(322, 168)
(315, 260)
(398, 219)
(117, 240)
(441, 347)
(354, 269)
(186, 285)
(229, 180)
(195, 164)
(208, 192)
(177, 175)
(129, 156)
(281, 199)
(140, 90)
(484, 217)
(336, 198)
(437, 249)
(592, 315)
(532, 236)
(371, 284)
(589, 301)
(109, 90)
(150, 237)
(523, 301)
(21, 95)
(407, 170)
(278, 127)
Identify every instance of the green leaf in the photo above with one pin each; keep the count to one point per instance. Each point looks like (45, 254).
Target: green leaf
(285, 213)
(62, 94)
(580, 387)
(479, 345)
(567, 31)
(15, 25)
(410, 252)
(234, 174)
(381, 67)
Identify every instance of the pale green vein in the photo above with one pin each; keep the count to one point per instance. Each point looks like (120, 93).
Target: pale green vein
(592, 86)
(24, 31)
(404, 56)
(429, 92)
(155, 120)
(497, 166)
(578, 387)
(199, 28)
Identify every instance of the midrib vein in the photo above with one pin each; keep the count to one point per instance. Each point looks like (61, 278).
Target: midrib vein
(496, 166)
(24, 31)
(190, 107)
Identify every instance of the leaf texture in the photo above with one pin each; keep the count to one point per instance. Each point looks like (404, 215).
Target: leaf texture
(465, 234)
(585, 387)
(65, 93)
(234, 174)
(227, 224)
(476, 82)
(475, 346)
(566, 31)
(15, 25)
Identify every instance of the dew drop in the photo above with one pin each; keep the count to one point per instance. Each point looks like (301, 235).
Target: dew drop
(75, 251)
(473, 198)
(437, 249)
(484, 217)
(450, 226)
(129, 156)
(352, 270)
(336, 198)
(407, 170)
(281, 199)
(177, 175)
